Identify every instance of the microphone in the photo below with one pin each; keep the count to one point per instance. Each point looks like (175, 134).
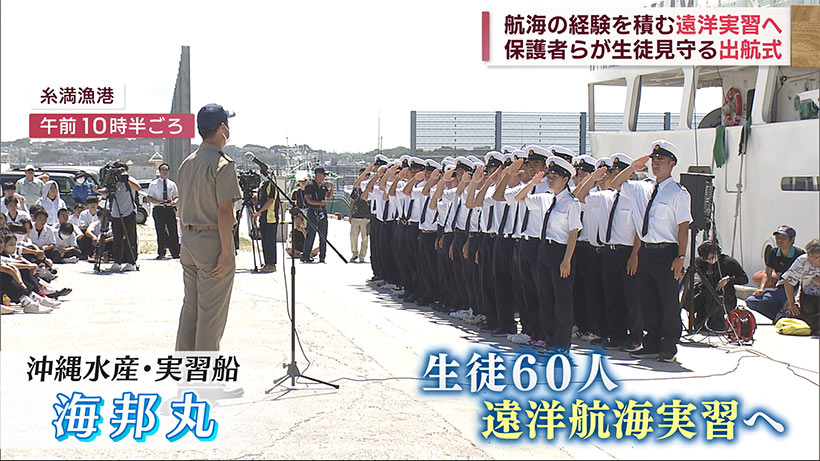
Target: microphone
(252, 158)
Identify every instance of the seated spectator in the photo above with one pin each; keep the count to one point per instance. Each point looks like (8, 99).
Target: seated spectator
(297, 238)
(25, 248)
(95, 233)
(34, 288)
(13, 212)
(74, 218)
(722, 272)
(67, 244)
(10, 190)
(88, 217)
(805, 273)
(771, 301)
(51, 201)
(4, 220)
(44, 236)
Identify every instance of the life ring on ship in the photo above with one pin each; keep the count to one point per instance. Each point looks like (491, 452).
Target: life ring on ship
(732, 107)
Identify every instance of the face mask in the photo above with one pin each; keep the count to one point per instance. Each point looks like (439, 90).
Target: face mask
(226, 137)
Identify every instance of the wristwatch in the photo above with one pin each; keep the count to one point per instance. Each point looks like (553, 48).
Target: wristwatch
(681, 257)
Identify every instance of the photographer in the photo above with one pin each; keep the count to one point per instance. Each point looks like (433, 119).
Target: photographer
(164, 194)
(722, 272)
(316, 195)
(123, 215)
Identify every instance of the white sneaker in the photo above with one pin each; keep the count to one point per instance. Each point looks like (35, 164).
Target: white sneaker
(129, 267)
(44, 301)
(6, 309)
(518, 338)
(72, 259)
(31, 307)
(116, 267)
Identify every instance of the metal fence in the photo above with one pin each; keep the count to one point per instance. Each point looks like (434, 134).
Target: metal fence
(442, 131)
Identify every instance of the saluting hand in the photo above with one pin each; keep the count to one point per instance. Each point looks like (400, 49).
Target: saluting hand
(538, 179)
(639, 164)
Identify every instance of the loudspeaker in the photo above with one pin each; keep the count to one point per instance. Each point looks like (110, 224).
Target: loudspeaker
(702, 191)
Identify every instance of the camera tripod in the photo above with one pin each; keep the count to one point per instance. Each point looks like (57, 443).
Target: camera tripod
(106, 221)
(254, 233)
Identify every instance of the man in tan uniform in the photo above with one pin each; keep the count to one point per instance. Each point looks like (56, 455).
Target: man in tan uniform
(208, 188)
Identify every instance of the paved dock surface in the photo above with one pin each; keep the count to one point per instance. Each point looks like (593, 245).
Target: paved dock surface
(375, 348)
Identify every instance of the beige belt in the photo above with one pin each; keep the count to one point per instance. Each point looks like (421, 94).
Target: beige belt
(201, 228)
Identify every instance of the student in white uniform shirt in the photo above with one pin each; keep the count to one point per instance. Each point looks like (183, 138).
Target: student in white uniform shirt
(479, 195)
(662, 216)
(428, 233)
(443, 202)
(560, 213)
(43, 235)
(409, 219)
(13, 211)
(588, 291)
(374, 196)
(617, 232)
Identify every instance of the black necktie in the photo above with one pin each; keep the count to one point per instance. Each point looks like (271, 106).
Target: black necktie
(469, 214)
(504, 219)
(490, 218)
(409, 210)
(611, 216)
(547, 218)
(526, 215)
(645, 227)
(164, 189)
(386, 208)
(424, 210)
(455, 216)
(447, 217)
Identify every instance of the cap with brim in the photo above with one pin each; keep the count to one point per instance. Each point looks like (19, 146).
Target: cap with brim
(30, 167)
(661, 148)
(416, 162)
(507, 149)
(381, 160)
(584, 163)
(464, 163)
(785, 230)
(563, 152)
(318, 169)
(519, 154)
(603, 162)
(507, 158)
(536, 152)
(431, 165)
(621, 161)
(556, 164)
(211, 116)
(494, 158)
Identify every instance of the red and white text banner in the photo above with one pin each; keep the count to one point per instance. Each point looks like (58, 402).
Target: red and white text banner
(111, 126)
(636, 37)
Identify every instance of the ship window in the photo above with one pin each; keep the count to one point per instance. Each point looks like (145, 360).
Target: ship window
(800, 183)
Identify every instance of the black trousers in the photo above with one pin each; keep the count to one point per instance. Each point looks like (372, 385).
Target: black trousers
(659, 298)
(10, 287)
(579, 290)
(375, 248)
(448, 293)
(555, 295)
(427, 267)
(397, 243)
(411, 260)
(459, 269)
(810, 311)
(588, 264)
(518, 290)
(486, 279)
(503, 285)
(530, 284)
(85, 245)
(125, 250)
(622, 296)
(165, 221)
(471, 275)
(388, 265)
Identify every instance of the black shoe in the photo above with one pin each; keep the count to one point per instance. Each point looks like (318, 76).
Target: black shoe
(631, 346)
(598, 342)
(611, 344)
(668, 357)
(502, 332)
(308, 260)
(645, 353)
(160, 257)
(62, 292)
(353, 259)
(410, 299)
(174, 256)
(322, 261)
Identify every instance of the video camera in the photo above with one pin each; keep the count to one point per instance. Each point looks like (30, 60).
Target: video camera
(249, 181)
(112, 174)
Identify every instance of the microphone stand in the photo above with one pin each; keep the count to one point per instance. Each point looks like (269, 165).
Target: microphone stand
(293, 371)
